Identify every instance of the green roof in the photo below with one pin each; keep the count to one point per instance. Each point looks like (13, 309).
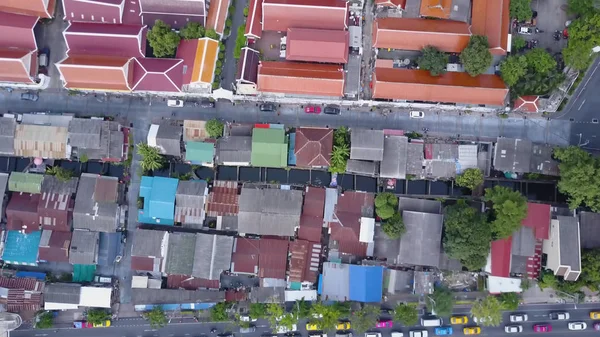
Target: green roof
(25, 182)
(199, 152)
(269, 148)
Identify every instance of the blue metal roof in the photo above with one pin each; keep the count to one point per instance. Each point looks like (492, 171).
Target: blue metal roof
(159, 200)
(366, 283)
(32, 274)
(22, 248)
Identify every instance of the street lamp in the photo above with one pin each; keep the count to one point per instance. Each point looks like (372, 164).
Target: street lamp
(433, 305)
(574, 297)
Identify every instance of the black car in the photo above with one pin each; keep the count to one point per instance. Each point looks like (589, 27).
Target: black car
(207, 104)
(332, 110)
(27, 96)
(267, 107)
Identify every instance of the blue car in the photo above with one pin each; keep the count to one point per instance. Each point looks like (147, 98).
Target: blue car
(443, 331)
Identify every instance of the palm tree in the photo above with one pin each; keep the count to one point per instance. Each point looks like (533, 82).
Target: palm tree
(151, 157)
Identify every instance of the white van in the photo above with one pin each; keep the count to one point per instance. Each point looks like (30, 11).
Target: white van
(431, 322)
(175, 103)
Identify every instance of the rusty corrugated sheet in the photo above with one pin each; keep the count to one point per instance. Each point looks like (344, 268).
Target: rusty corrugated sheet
(223, 199)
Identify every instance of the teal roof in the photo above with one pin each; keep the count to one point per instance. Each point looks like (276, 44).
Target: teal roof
(159, 200)
(269, 148)
(199, 152)
(22, 248)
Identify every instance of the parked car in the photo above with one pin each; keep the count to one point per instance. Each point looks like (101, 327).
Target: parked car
(417, 114)
(283, 329)
(331, 110)
(577, 326)
(459, 320)
(207, 104)
(29, 96)
(597, 326)
(82, 325)
(525, 30)
(384, 324)
(311, 327)
(343, 326)
(267, 107)
(595, 315)
(518, 318)
(247, 318)
(249, 329)
(311, 109)
(443, 331)
(559, 316)
(542, 328)
(513, 328)
(175, 103)
(418, 333)
(474, 330)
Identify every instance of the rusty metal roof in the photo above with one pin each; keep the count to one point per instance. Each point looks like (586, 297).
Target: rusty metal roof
(223, 199)
(301, 78)
(272, 260)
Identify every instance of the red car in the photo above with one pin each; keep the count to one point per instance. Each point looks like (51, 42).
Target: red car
(312, 109)
(542, 328)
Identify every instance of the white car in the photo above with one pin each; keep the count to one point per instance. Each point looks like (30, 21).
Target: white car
(417, 114)
(418, 333)
(513, 329)
(175, 103)
(518, 318)
(577, 326)
(372, 334)
(246, 318)
(283, 329)
(479, 320)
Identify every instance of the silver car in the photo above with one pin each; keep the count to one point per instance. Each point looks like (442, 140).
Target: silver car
(513, 329)
(518, 318)
(577, 326)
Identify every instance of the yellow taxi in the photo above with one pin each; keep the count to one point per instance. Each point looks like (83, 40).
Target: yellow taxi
(343, 326)
(311, 327)
(475, 330)
(104, 324)
(595, 315)
(459, 320)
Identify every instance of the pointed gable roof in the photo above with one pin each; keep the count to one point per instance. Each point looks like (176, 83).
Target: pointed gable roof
(313, 146)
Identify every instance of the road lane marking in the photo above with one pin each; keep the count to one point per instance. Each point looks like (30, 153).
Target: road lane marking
(581, 105)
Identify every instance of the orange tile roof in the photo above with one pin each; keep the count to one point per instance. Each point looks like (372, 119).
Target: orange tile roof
(301, 78)
(414, 34)
(528, 104)
(452, 87)
(15, 66)
(205, 60)
(253, 25)
(279, 15)
(491, 18)
(97, 72)
(397, 3)
(436, 8)
(217, 15)
(41, 8)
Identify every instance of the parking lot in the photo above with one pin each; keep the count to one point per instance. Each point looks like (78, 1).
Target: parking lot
(551, 16)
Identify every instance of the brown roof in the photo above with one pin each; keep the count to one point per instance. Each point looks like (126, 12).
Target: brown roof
(451, 87)
(317, 45)
(345, 230)
(414, 34)
(313, 147)
(13, 67)
(22, 211)
(97, 72)
(244, 258)
(491, 18)
(253, 22)
(24, 294)
(279, 15)
(272, 261)
(29, 7)
(311, 220)
(311, 228)
(191, 283)
(397, 3)
(301, 78)
(299, 253)
(436, 8)
(223, 199)
(217, 15)
(57, 249)
(142, 263)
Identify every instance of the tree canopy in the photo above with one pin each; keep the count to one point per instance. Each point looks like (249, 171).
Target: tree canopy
(590, 268)
(407, 314)
(476, 58)
(518, 43)
(328, 316)
(510, 208)
(341, 150)
(157, 317)
(211, 33)
(365, 318)
(151, 157)
(45, 321)
(434, 60)
(510, 301)
(579, 177)
(163, 39)
(385, 205)
(192, 30)
(218, 313)
(540, 61)
(584, 34)
(214, 128)
(582, 7)
(97, 316)
(513, 68)
(470, 178)
(60, 173)
(274, 313)
(467, 235)
(257, 310)
(521, 10)
(441, 301)
(394, 227)
(488, 311)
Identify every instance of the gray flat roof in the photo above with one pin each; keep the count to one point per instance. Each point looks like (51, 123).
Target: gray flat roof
(91, 210)
(589, 224)
(84, 247)
(523, 242)
(461, 10)
(366, 144)
(147, 243)
(212, 255)
(62, 293)
(419, 205)
(393, 164)
(400, 281)
(7, 135)
(267, 295)
(175, 296)
(414, 161)
(336, 282)
(513, 155)
(384, 247)
(361, 167)
(269, 211)
(518, 264)
(421, 244)
(570, 250)
(233, 149)
(542, 161)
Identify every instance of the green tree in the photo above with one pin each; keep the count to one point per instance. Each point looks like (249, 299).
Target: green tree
(547, 280)
(45, 321)
(151, 157)
(510, 301)
(246, 10)
(488, 311)
(467, 235)
(394, 227)
(521, 10)
(518, 43)
(163, 39)
(210, 33)
(441, 301)
(385, 205)
(218, 313)
(214, 128)
(339, 158)
(538, 84)
(97, 316)
(540, 61)
(157, 317)
(579, 177)
(341, 136)
(60, 173)
(240, 42)
(257, 310)
(274, 314)
(510, 208)
(365, 318)
(407, 314)
(470, 178)
(584, 34)
(434, 60)
(302, 308)
(590, 268)
(327, 315)
(476, 58)
(192, 30)
(343, 308)
(582, 7)
(513, 68)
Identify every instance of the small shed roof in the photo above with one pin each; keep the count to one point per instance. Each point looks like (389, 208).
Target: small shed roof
(366, 144)
(175, 296)
(84, 247)
(96, 207)
(25, 182)
(393, 164)
(199, 152)
(95, 297)
(69, 293)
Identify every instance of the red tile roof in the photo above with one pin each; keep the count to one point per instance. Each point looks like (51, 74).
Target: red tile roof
(528, 104)
(245, 256)
(272, 261)
(57, 249)
(24, 294)
(501, 256)
(107, 11)
(253, 22)
(18, 66)
(176, 13)
(492, 19)
(17, 31)
(34, 8)
(97, 72)
(538, 218)
(107, 40)
(345, 230)
(279, 15)
(151, 74)
(451, 87)
(317, 45)
(22, 212)
(301, 78)
(313, 147)
(55, 211)
(223, 199)
(191, 283)
(217, 15)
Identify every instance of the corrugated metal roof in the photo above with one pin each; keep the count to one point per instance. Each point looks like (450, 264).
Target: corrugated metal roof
(25, 182)
(272, 260)
(223, 199)
(245, 256)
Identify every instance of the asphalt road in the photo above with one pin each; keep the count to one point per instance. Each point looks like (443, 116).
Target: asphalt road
(137, 328)
(582, 110)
